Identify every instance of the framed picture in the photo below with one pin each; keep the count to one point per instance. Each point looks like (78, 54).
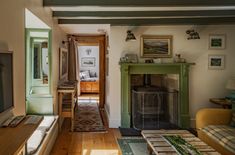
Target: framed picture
(156, 46)
(216, 61)
(107, 43)
(107, 66)
(217, 41)
(63, 63)
(88, 62)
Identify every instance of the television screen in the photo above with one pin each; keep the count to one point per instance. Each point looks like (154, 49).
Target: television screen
(6, 81)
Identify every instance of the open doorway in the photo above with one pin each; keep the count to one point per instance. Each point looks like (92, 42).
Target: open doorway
(91, 52)
(91, 99)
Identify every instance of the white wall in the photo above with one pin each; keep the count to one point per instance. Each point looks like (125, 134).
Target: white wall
(94, 54)
(12, 37)
(204, 83)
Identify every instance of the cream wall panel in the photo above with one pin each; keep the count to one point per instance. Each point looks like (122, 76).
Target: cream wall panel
(12, 37)
(204, 83)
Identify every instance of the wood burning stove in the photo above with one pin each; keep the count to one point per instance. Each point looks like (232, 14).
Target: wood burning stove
(152, 108)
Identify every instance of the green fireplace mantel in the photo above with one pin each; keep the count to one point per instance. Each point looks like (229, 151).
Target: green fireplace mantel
(182, 69)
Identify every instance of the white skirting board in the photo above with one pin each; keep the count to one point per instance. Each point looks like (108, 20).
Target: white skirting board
(114, 123)
(193, 123)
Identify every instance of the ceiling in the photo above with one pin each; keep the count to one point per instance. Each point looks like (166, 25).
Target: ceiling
(139, 12)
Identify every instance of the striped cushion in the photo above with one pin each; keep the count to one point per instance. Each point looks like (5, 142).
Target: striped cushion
(224, 135)
(233, 120)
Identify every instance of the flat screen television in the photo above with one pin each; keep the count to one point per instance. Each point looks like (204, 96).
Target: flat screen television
(6, 81)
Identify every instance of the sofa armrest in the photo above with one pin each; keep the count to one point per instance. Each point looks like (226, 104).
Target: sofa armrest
(212, 116)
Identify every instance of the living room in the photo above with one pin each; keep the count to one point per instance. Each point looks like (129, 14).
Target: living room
(204, 82)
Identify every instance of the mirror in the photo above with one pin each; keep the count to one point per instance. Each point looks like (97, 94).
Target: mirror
(38, 62)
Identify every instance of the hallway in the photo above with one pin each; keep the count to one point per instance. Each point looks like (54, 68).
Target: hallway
(86, 143)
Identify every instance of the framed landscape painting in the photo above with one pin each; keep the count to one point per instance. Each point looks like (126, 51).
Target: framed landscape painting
(217, 41)
(216, 61)
(63, 63)
(88, 62)
(156, 46)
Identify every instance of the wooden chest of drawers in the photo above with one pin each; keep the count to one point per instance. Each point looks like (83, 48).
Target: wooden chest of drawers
(89, 86)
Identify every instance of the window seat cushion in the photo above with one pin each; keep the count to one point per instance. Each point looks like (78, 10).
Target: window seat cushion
(222, 134)
(47, 122)
(35, 141)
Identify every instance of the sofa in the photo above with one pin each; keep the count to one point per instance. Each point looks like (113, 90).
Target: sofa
(214, 128)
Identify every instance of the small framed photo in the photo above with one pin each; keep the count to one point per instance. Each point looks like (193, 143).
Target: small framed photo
(88, 62)
(131, 58)
(217, 41)
(156, 46)
(216, 61)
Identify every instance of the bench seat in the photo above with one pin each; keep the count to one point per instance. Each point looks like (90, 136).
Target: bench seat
(42, 140)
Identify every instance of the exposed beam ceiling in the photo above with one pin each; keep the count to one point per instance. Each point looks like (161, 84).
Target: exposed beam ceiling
(168, 3)
(143, 12)
(159, 21)
(203, 13)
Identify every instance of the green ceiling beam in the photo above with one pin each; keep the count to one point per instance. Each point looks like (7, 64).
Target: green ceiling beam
(207, 13)
(139, 3)
(159, 21)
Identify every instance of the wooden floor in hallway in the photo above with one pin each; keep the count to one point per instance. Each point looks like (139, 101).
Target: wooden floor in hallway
(86, 143)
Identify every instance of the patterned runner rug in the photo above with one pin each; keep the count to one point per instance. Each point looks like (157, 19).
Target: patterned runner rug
(88, 118)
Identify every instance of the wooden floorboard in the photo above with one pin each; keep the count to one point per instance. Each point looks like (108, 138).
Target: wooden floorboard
(86, 143)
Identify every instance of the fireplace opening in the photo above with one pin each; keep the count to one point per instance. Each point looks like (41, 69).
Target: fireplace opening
(154, 105)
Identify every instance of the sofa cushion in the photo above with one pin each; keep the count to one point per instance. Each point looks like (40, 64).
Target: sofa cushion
(84, 74)
(233, 120)
(93, 74)
(222, 134)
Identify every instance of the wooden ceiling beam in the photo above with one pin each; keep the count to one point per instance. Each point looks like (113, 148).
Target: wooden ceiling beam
(156, 21)
(206, 13)
(139, 3)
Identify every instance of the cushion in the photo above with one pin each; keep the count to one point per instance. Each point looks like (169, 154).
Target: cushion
(93, 74)
(84, 74)
(222, 134)
(90, 79)
(46, 122)
(233, 120)
(35, 141)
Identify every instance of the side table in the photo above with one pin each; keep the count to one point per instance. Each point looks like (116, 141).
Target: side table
(66, 107)
(225, 103)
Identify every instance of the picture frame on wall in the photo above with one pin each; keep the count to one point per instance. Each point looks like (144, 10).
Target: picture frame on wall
(156, 46)
(63, 64)
(88, 62)
(216, 61)
(107, 66)
(217, 41)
